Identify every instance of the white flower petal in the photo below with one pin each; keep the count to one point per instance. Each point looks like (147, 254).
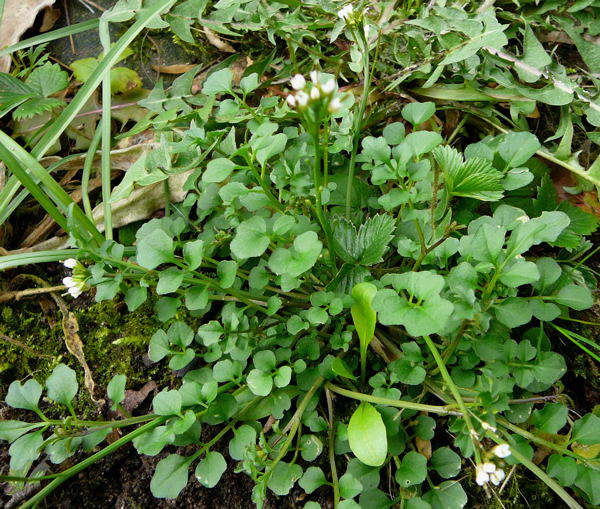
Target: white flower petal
(334, 105)
(314, 93)
(291, 100)
(70, 263)
(502, 450)
(298, 82)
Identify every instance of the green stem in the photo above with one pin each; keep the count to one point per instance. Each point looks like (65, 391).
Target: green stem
(105, 122)
(70, 472)
(455, 393)
(443, 410)
(358, 120)
(87, 168)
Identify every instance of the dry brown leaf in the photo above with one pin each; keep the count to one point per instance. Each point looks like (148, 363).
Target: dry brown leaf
(75, 347)
(424, 447)
(173, 69)
(50, 18)
(239, 67)
(134, 399)
(217, 42)
(18, 16)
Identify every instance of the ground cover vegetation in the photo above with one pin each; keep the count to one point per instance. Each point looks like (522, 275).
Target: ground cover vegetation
(374, 234)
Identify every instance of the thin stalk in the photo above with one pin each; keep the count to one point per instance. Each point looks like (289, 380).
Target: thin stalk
(331, 446)
(455, 393)
(70, 472)
(442, 410)
(105, 122)
(87, 168)
(358, 120)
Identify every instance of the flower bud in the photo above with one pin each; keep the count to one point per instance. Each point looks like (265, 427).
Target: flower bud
(334, 105)
(345, 12)
(314, 93)
(70, 263)
(329, 87)
(314, 77)
(291, 100)
(298, 82)
(502, 450)
(301, 99)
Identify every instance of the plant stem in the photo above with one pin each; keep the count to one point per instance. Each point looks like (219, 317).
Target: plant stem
(334, 475)
(443, 410)
(87, 168)
(456, 393)
(105, 123)
(358, 120)
(70, 472)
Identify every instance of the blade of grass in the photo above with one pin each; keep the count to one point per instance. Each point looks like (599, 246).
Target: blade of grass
(87, 168)
(571, 337)
(59, 33)
(68, 114)
(17, 260)
(105, 122)
(52, 196)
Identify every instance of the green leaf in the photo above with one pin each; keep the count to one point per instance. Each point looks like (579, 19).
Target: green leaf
(520, 272)
(586, 430)
(550, 418)
(244, 438)
(588, 480)
(349, 486)
(312, 479)
(445, 462)
(169, 281)
(116, 390)
(259, 382)
(170, 476)
(217, 170)
(135, 297)
(394, 133)
(310, 447)
(10, 430)
(283, 477)
(210, 469)
(422, 142)
(48, 79)
(62, 385)
(24, 396)
(363, 314)
(424, 427)
(376, 149)
(218, 82)
(448, 495)
(299, 258)
(193, 253)
(473, 178)
(196, 297)
(226, 272)
(563, 469)
(417, 113)
(534, 55)
(250, 239)
(367, 435)
(167, 403)
(24, 451)
(154, 249)
(517, 148)
(339, 367)
(412, 469)
(577, 297)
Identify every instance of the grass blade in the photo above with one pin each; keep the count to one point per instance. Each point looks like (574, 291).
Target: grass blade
(59, 33)
(68, 114)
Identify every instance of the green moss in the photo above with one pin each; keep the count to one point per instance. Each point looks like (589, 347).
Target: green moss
(114, 341)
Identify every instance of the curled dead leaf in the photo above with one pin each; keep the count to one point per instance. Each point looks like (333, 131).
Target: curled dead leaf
(19, 15)
(173, 69)
(217, 42)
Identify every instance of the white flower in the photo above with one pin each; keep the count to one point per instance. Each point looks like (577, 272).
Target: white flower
(345, 12)
(502, 450)
(314, 93)
(488, 467)
(74, 291)
(367, 31)
(487, 426)
(70, 263)
(291, 100)
(301, 99)
(329, 87)
(334, 105)
(523, 219)
(481, 477)
(314, 77)
(298, 82)
(497, 477)
(74, 286)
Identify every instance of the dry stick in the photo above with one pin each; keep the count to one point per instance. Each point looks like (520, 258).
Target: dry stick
(17, 294)
(68, 19)
(25, 347)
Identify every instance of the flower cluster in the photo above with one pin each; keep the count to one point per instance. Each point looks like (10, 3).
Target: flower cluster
(490, 472)
(321, 93)
(76, 282)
